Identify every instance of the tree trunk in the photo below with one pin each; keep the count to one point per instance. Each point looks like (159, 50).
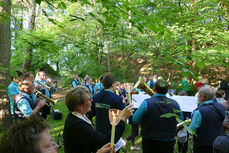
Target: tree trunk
(5, 53)
(31, 26)
(108, 55)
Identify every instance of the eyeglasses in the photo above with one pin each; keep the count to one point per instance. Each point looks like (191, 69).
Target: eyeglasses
(54, 145)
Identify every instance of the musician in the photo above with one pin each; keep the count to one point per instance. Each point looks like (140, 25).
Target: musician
(29, 76)
(158, 133)
(122, 93)
(207, 121)
(89, 85)
(152, 82)
(185, 85)
(76, 80)
(225, 86)
(24, 105)
(199, 83)
(79, 135)
(105, 100)
(42, 80)
(13, 90)
(99, 86)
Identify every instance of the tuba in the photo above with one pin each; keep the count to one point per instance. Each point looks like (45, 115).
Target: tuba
(144, 87)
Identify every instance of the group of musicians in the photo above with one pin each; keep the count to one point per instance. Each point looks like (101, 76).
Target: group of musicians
(28, 96)
(157, 115)
(158, 133)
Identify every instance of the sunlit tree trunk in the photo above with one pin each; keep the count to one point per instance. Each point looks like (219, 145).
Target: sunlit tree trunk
(31, 26)
(108, 55)
(5, 53)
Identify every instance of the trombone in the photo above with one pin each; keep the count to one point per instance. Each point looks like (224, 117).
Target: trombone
(38, 93)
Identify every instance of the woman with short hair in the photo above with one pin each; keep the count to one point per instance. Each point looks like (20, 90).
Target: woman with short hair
(79, 135)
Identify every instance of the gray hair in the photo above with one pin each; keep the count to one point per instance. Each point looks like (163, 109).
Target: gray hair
(207, 91)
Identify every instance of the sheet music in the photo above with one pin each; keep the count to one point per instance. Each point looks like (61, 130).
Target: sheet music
(119, 144)
(187, 103)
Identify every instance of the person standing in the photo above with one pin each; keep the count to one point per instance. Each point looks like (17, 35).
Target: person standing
(225, 86)
(79, 135)
(89, 85)
(25, 106)
(38, 84)
(76, 81)
(152, 82)
(158, 133)
(13, 90)
(185, 85)
(199, 83)
(207, 121)
(123, 94)
(99, 86)
(29, 76)
(103, 101)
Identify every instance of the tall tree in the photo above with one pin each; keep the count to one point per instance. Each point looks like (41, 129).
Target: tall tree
(31, 27)
(5, 53)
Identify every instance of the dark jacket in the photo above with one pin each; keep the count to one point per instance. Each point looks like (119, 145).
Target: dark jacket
(155, 127)
(212, 116)
(224, 86)
(102, 102)
(80, 137)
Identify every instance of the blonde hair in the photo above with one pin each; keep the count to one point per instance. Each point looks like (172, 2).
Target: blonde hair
(22, 85)
(75, 97)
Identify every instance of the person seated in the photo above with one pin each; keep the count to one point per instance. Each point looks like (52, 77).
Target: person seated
(79, 135)
(32, 136)
(25, 106)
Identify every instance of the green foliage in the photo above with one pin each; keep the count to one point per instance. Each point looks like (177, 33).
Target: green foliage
(141, 36)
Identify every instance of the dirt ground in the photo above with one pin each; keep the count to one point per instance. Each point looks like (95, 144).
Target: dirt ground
(59, 94)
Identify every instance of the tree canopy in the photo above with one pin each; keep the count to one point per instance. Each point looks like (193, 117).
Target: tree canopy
(127, 37)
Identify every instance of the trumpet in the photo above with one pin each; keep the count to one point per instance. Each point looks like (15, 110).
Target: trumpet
(144, 87)
(38, 93)
(43, 85)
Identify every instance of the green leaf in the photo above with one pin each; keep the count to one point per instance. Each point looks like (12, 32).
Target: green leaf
(13, 73)
(185, 74)
(200, 65)
(91, 14)
(168, 115)
(38, 1)
(101, 22)
(64, 5)
(59, 5)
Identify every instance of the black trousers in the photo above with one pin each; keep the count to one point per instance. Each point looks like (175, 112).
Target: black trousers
(45, 111)
(152, 146)
(183, 147)
(203, 149)
(134, 132)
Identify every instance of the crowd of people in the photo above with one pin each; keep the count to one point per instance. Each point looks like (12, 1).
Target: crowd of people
(84, 101)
